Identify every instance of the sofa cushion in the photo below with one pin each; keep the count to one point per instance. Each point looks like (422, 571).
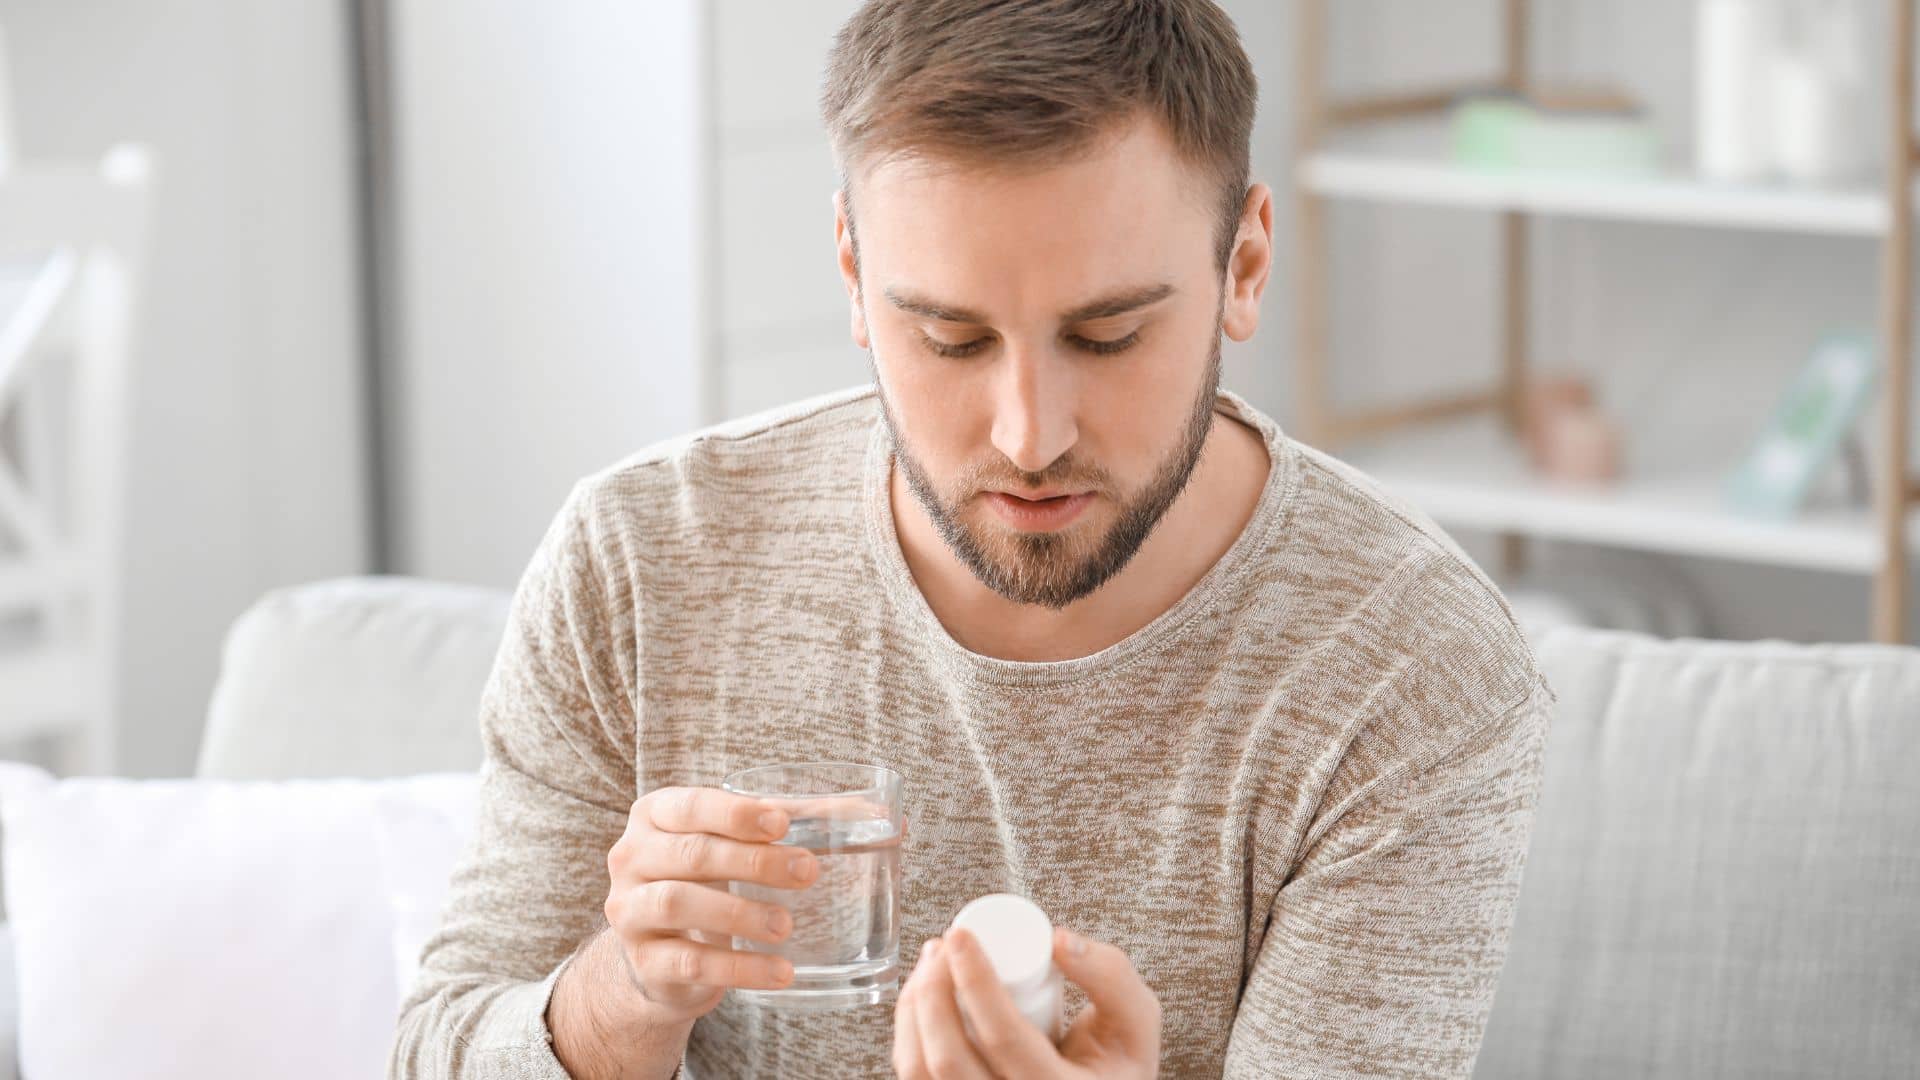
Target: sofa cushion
(366, 677)
(421, 834)
(1725, 865)
(9, 1007)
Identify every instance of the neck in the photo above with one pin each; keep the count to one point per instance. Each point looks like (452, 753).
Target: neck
(1196, 531)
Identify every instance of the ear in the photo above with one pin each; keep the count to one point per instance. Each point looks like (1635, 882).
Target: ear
(1249, 265)
(849, 271)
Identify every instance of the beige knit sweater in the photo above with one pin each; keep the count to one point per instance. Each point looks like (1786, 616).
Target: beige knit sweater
(1300, 799)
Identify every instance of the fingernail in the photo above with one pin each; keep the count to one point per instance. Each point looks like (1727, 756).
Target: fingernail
(783, 971)
(778, 921)
(1076, 945)
(958, 938)
(800, 866)
(931, 948)
(772, 822)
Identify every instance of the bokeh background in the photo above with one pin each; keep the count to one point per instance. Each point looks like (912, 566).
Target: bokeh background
(416, 265)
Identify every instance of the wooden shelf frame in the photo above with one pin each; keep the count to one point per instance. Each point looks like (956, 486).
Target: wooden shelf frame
(1324, 424)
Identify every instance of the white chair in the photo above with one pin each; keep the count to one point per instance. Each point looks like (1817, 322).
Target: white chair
(71, 245)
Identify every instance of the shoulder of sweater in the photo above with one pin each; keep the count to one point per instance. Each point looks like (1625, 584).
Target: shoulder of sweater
(773, 431)
(1420, 567)
(775, 446)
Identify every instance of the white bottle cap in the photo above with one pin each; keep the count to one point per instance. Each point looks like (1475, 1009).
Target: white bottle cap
(1016, 935)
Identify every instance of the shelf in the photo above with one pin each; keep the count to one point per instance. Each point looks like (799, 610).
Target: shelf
(1469, 474)
(1434, 181)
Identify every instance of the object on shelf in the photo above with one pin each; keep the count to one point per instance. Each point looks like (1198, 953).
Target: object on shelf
(1567, 438)
(1781, 92)
(1819, 95)
(1582, 447)
(1735, 44)
(1815, 415)
(1544, 394)
(1575, 131)
(1857, 473)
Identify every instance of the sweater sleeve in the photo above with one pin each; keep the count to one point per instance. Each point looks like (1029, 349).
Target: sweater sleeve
(1386, 943)
(557, 722)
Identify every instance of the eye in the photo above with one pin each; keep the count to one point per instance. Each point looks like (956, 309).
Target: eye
(951, 350)
(970, 348)
(1106, 348)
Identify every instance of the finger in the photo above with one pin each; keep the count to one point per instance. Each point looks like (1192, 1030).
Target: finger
(682, 905)
(1010, 1042)
(835, 808)
(908, 1061)
(1114, 989)
(671, 962)
(709, 936)
(674, 995)
(668, 856)
(943, 1041)
(711, 810)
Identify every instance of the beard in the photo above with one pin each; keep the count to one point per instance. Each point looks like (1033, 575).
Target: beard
(1055, 569)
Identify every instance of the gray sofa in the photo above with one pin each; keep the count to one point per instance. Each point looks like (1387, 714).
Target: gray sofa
(1725, 871)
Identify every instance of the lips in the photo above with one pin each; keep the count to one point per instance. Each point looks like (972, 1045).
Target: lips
(1037, 514)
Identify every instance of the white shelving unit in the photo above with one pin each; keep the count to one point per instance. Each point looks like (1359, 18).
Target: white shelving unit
(1672, 200)
(1456, 458)
(1469, 474)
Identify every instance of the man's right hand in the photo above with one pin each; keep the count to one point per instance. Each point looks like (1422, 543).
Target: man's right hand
(669, 906)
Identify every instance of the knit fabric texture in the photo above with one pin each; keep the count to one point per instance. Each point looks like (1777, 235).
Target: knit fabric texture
(1300, 799)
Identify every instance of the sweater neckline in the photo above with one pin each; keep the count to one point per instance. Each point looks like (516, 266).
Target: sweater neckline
(958, 661)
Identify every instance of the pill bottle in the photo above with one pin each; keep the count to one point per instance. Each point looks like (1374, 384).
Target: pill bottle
(1018, 939)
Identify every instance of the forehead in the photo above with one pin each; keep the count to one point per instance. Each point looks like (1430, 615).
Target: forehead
(1127, 210)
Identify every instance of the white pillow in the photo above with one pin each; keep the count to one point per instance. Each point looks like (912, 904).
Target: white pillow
(421, 837)
(214, 929)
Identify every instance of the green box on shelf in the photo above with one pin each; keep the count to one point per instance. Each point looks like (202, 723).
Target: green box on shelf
(1498, 130)
(1802, 436)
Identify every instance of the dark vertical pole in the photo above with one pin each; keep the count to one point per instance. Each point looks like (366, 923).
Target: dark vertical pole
(1310, 254)
(1896, 338)
(1516, 334)
(370, 75)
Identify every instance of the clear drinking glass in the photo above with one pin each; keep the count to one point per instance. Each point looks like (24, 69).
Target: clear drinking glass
(845, 944)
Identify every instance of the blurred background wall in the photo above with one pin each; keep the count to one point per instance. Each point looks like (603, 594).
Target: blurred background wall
(612, 224)
(246, 468)
(550, 217)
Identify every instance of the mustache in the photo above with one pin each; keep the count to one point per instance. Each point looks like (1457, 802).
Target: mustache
(1063, 472)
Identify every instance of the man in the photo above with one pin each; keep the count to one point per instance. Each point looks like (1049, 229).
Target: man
(1261, 738)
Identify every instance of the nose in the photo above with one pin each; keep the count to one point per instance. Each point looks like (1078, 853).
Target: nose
(1034, 409)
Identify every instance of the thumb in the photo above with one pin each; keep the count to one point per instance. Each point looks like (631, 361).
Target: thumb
(1120, 997)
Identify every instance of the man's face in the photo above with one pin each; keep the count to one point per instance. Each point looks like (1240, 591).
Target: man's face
(1047, 348)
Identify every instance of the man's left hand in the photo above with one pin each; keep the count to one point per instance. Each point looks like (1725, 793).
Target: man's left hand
(1116, 1038)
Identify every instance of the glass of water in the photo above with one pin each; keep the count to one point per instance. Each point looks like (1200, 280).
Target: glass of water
(845, 944)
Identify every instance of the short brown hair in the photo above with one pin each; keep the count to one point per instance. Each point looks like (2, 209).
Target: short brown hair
(1031, 82)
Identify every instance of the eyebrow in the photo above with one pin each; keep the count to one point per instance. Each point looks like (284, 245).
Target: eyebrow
(1117, 304)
